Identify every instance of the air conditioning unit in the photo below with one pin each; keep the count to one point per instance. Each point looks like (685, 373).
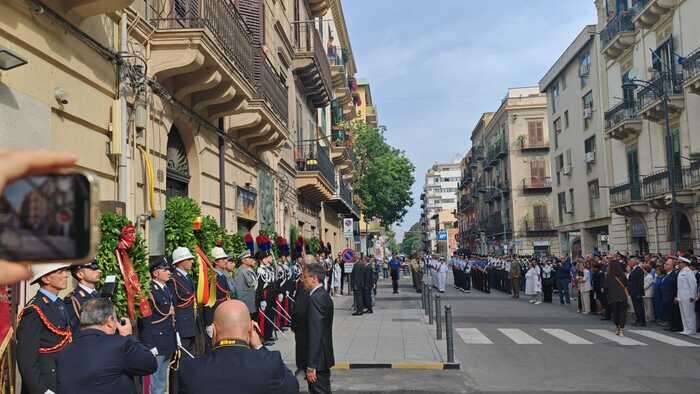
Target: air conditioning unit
(566, 170)
(584, 70)
(587, 113)
(590, 157)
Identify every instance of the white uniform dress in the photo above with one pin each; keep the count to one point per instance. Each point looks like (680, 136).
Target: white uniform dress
(442, 276)
(532, 281)
(687, 291)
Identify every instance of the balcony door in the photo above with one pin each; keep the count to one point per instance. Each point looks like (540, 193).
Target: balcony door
(535, 131)
(633, 173)
(537, 173)
(540, 217)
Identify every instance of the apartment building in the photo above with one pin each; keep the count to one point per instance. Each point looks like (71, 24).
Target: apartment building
(366, 110)
(229, 100)
(439, 206)
(507, 189)
(577, 147)
(649, 53)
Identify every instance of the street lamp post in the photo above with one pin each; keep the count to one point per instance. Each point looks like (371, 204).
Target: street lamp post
(503, 211)
(661, 93)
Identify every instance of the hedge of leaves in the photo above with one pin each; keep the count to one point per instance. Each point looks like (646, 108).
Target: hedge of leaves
(180, 212)
(111, 225)
(314, 245)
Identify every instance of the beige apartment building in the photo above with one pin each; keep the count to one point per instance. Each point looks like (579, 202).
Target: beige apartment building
(230, 101)
(577, 147)
(511, 178)
(649, 50)
(439, 208)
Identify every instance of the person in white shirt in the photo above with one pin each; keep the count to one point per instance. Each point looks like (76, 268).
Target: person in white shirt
(648, 292)
(585, 288)
(442, 275)
(532, 283)
(686, 297)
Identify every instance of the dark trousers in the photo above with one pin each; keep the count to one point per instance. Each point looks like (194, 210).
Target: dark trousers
(395, 284)
(467, 281)
(563, 286)
(367, 298)
(638, 304)
(516, 287)
(619, 313)
(547, 290)
(323, 383)
(358, 297)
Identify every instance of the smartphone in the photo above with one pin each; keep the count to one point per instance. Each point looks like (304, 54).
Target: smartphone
(50, 218)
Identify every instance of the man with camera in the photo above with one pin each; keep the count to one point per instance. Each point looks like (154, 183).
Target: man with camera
(44, 330)
(88, 276)
(100, 362)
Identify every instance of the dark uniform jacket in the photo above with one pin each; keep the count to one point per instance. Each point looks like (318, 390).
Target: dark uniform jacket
(358, 276)
(37, 346)
(97, 363)
(320, 345)
(222, 294)
(74, 304)
(300, 325)
(636, 282)
(236, 369)
(182, 287)
(669, 287)
(158, 330)
(368, 277)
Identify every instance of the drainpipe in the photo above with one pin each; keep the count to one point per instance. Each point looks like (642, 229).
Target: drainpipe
(656, 224)
(123, 166)
(222, 176)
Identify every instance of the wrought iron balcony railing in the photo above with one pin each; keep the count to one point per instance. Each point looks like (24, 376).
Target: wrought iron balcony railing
(691, 65)
(620, 23)
(670, 84)
(537, 224)
(526, 144)
(537, 182)
(625, 193)
(622, 112)
(314, 157)
(223, 21)
(269, 86)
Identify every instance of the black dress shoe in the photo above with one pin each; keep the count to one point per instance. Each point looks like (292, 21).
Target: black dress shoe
(370, 311)
(357, 314)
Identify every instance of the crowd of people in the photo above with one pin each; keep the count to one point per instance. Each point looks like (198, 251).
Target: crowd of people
(68, 345)
(657, 289)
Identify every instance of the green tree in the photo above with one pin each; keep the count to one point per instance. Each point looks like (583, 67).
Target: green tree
(412, 242)
(385, 175)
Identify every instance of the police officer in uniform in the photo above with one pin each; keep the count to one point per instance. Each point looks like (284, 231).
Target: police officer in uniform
(158, 330)
(223, 292)
(44, 330)
(88, 276)
(183, 288)
(265, 295)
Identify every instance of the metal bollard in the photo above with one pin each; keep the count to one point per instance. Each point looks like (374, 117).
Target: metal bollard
(422, 297)
(438, 318)
(430, 306)
(449, 335)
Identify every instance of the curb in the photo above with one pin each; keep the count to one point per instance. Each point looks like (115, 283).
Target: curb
(398, 365)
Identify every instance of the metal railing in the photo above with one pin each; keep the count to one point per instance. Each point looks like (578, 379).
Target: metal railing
(691, 175)
(656, 184)
(270, 87)
(223, 21)
(526, 144)
(670, 84)
(337, 55)
(691, 65)
(345, 194)
(314, 157)
(625, 193)
(620, 23)
(622, 112)
(537, 182)
(537, 224)
(308, 42)
(639, 5)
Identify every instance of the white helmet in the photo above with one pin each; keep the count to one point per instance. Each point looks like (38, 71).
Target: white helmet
(40, 270)
(181, 254)
(218, 253)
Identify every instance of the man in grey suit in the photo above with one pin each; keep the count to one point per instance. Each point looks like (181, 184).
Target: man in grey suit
(246, 282)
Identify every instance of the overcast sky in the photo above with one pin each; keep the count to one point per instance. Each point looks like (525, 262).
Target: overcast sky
(436, 66)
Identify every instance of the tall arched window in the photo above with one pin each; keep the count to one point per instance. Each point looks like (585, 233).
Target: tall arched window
(178, 175)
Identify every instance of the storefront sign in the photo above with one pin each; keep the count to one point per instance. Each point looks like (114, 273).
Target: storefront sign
(540, 243)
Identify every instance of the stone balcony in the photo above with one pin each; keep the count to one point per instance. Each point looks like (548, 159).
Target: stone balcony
(691, 70)
(649, 12)
(622, 122)
(651, 105)
(626, 199)
(315, 178)
(618, 34)
(81, 9)
(311, 63)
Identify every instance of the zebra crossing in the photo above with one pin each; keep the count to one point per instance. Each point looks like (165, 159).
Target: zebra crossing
(540, 336)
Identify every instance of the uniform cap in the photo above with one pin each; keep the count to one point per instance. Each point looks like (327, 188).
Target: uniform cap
(181, 254)
(91, 265)
(683, 260)
(41, 270)
(158, 263)
(244, 255)
(218, 253)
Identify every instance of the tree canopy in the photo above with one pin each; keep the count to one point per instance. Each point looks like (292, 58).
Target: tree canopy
(412, 242)
(385, 175)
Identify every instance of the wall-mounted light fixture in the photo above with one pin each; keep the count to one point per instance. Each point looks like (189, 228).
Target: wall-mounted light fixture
(10, 60)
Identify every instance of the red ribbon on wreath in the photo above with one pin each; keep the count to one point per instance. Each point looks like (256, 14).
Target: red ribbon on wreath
(132, 284)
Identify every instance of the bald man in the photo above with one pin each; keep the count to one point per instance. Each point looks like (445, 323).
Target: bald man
(238, 360)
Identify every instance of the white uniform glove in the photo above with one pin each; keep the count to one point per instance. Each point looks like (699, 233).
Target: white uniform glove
(210, 331)
(49, 392)
(154, 351)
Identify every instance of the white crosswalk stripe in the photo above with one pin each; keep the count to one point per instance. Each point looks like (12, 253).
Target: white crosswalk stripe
(566, 336)
(472, 336)
(519, 336)
(610, 336)
(664, 338)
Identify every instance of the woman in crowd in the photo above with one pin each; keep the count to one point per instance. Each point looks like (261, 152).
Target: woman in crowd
(532, 283)
(585, 287)
(548, 281)
(657, 296)
(598, 282)
(648, 292)
(617, 295)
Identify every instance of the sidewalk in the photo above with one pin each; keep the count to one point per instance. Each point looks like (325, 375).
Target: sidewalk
(396, 335)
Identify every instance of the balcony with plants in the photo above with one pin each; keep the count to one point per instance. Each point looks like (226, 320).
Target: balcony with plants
(618, 34)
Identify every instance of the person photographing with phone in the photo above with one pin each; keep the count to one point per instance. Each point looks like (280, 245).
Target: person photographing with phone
(105, 356)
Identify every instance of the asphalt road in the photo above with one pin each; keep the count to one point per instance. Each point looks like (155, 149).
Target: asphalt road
(511, 346)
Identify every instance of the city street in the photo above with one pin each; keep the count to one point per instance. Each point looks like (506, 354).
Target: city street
(511, 346)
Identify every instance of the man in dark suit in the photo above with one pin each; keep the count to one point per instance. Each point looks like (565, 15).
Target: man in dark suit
(100, 362)
(182, 287)
(43, 330)
(357, 279)
(369, 285)
(320, 353)
(87, 276)
(300, 325)
(158, 330)
(636, 283)
(239, 362)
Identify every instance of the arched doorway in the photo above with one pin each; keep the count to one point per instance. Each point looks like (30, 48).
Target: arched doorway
(178, 174)
(686, 232)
